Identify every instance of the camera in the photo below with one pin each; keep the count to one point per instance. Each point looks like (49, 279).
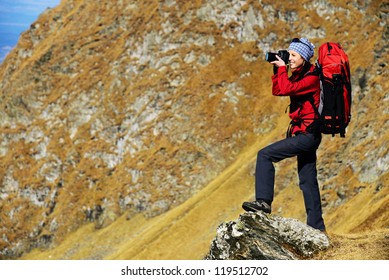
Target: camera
(283, 54)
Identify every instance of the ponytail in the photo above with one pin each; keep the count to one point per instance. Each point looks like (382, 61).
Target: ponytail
(305, 68)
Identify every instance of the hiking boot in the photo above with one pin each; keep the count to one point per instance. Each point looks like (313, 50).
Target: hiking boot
(258, 205)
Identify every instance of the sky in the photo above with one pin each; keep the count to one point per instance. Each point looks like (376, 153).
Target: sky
(16, 16)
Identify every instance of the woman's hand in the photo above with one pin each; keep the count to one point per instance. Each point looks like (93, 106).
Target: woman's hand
(279, 62)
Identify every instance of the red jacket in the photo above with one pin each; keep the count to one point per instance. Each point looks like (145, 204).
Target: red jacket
(301, 110)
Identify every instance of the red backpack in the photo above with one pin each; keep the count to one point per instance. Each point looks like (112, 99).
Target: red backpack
(335, 97)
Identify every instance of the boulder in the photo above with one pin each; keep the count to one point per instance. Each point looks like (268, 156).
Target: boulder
(262, 236)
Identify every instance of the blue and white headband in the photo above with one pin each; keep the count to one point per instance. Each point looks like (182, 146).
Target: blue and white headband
(303, 47)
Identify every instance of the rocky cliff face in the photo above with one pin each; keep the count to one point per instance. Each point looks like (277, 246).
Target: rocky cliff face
(112, 108)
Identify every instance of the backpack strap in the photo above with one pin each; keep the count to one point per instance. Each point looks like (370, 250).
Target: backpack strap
(312, 101)
(315, 127)
(291, 125)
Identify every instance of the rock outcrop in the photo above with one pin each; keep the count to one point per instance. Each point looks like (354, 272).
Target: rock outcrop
(261, 236)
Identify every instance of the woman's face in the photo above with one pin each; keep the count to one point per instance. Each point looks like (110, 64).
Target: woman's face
(295, 60)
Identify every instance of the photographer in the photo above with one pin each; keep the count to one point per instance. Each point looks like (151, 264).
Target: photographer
(302, 141)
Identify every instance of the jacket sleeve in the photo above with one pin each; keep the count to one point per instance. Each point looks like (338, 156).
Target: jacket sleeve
(282, 86)
(275, 88)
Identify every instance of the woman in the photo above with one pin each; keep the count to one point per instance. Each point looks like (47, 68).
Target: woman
(303, 87)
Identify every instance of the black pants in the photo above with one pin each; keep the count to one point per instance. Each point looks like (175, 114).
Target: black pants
(303, 146)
